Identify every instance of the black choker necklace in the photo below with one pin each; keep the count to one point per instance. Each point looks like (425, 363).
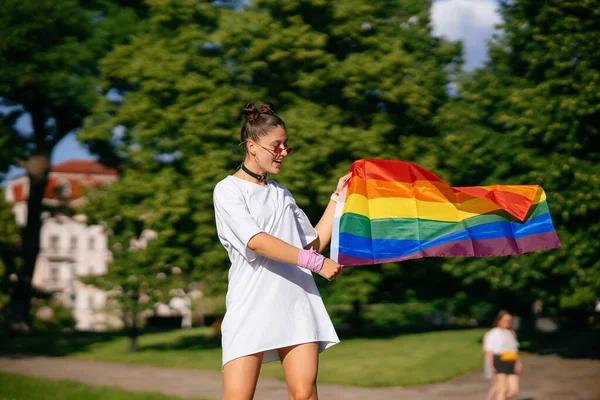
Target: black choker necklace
(260, 178)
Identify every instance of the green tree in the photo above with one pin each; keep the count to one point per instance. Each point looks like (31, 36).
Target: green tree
(136, 283)
(48, 61)
(172, 88)
(532, 116)
(351, 80)
(139, 277)
(9, 242)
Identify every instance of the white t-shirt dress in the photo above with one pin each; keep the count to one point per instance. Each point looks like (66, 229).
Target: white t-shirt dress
(270, 304)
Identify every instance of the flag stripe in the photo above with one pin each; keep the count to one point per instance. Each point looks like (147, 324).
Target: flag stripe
(402, 207)
(437, 191)
(359, 246)
(468, 248)
(405, 228)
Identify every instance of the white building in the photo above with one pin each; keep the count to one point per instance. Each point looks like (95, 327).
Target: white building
(69, 248)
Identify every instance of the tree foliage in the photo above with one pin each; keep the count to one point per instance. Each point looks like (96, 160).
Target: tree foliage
(357, 80)
(137, 285)
(48, 67)
(9, 248)
(352, 80)
(532, 116)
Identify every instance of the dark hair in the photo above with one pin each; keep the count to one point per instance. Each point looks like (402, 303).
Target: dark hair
(258, 122)
(500, 315)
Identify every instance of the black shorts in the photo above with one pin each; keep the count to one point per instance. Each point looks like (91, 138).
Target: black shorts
(504, 367)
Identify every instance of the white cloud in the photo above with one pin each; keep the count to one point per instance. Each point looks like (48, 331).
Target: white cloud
(471, 21)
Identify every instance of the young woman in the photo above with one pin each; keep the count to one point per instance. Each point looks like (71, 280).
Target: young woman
(501, 355)
(274, 310)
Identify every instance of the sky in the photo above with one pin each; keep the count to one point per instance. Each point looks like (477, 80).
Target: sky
(471, 21)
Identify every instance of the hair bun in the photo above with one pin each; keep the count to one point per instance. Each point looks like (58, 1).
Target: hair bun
(250, 112)
(267, 108)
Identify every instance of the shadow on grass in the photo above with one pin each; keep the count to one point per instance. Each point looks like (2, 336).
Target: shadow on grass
(192, 343)
(52, 343)
(58, 344)
(567, 343)
(369, 331)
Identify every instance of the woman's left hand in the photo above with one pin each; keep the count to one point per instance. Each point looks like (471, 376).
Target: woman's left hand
(518, 367)
(342, 181)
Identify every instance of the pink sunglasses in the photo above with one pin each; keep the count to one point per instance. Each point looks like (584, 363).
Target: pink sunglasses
(278, 150)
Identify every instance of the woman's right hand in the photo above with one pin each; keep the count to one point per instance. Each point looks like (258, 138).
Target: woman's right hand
(330, 269)
(518, 367)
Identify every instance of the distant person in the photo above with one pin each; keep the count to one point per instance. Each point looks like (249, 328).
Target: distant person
(274, 310)
(502, 358)
(487, 372)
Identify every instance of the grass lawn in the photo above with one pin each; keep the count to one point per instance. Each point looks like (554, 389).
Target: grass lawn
(401, 361)
(405, 360)
(20, 387)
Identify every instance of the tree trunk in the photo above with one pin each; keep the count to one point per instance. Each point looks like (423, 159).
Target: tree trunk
(38, 169)
(133, 333)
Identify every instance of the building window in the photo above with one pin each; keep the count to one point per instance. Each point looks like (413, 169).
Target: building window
(91, 270)
(54, 273)
(73, 242)
(91, 243)
(91, 301)
(63, 189)
(54, 242)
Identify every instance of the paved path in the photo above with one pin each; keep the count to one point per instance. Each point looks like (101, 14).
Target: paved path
(545, 378)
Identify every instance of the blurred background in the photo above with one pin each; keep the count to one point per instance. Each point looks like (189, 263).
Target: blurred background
(119, 117)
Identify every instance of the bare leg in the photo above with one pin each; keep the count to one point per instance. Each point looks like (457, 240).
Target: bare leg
(501, 387)
(240, 377)
(300, 365)
(512, 385)
(493, 386)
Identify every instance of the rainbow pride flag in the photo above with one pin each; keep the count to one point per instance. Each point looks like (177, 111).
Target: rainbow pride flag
(394, 210)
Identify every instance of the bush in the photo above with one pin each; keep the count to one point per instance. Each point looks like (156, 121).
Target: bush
(388, 318)
(51, 315)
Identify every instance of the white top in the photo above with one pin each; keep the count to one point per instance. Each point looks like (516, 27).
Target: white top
(500, 340)
(270, 304)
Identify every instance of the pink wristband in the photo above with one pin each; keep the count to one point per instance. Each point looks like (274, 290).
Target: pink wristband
(311, 260)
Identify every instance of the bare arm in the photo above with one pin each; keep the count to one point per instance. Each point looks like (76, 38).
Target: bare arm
(324, 228)
(489, 359)
(273, 248)
(518, 363)
(518, 366)
(278, 250)
(325, 225)
(489, 355)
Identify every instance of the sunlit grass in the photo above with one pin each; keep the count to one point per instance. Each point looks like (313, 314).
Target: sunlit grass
(20, 387)
(404, 360)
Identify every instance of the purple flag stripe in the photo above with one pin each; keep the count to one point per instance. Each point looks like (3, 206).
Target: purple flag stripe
(469, 248)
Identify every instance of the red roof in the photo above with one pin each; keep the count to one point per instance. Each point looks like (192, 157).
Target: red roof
(19, 195)
(80, 167)
(53, 188)
(84, 167)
